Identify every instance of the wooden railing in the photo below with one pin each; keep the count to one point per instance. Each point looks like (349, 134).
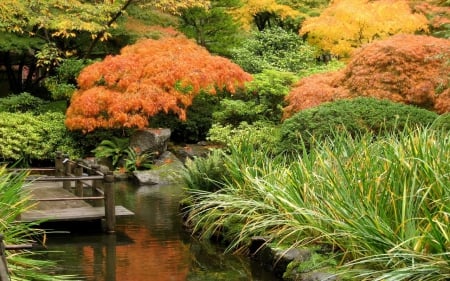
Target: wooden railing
(76, 176)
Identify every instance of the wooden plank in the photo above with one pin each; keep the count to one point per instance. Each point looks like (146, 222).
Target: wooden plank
(72, 214)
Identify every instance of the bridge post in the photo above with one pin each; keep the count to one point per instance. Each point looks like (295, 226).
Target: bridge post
(67, 171)
(110, 204)
(4, 275)
(95, 183)
(59, 166)
(78, 171)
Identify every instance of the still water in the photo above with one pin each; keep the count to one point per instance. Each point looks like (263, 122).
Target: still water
(151, 245)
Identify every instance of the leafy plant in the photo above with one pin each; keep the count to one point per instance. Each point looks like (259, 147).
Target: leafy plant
(114, 149)
(262, 100)
(63, 84)
(136, 160)
(34, 137)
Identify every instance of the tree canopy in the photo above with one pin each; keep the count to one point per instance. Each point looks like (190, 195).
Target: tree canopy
(263, 13)
(410, 69)
(348, 24)
(148, 77)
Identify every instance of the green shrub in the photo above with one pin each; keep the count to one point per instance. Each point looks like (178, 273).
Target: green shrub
(199, 120)
(274, 48)
(86, 143)
(23, 102)
(63, 84)
(442, 122)
(262, 100)
(355, 116)
(27, 137)
(260, 135)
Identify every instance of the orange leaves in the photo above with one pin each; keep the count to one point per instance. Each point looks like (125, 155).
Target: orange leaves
(314, 90)
(148, 77)
(410, 69)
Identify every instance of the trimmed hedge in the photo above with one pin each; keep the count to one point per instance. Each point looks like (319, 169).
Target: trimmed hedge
(356, 116)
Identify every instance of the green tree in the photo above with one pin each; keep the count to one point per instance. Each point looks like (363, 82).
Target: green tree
(36, 35)
(212, 28)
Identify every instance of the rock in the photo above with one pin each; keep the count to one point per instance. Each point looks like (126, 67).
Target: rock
(165, 171)
(151, 140)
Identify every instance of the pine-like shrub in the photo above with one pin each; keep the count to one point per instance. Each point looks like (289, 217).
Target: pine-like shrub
(355, 116)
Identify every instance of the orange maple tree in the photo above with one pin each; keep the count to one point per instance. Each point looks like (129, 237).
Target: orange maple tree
(410, 69)
(148, 77)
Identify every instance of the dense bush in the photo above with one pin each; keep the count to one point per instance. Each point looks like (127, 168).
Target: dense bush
(274, 48)
(199, 120)
(262, 100)
(23, 102)
(355, 116)
(27, 138)
(63, 84)
(410, 69)
(442, 122)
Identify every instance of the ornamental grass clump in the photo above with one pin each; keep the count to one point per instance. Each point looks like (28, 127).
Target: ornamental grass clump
(383, 204)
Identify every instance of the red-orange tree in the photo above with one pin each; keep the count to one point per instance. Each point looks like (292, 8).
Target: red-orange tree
(148, 77)
(410, 69)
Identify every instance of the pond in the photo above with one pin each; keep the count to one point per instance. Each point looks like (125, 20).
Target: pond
(151, 245)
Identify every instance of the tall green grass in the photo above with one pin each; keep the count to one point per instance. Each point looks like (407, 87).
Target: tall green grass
(22, 264)
(383, 204)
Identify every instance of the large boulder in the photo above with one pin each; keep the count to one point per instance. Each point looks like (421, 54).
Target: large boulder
(151, 140)
(167, 170)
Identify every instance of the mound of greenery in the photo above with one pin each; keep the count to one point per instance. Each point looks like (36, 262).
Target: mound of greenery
(355, 116)
(27, 137)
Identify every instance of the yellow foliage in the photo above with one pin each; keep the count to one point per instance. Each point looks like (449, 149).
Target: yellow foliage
(250, 8)
(174, 6)
(348, 24)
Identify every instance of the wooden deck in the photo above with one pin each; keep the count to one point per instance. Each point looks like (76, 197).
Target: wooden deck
(67, 210)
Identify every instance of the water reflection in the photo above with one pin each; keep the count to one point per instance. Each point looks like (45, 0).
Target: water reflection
(148, 246)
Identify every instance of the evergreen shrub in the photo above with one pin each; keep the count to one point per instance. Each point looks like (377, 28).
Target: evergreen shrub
(27, 138)
(23, 102)
(355, 116)
(442, 122)
(262, 100)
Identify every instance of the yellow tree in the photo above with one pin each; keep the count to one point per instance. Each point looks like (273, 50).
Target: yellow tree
(348, 24)
(147, 78)
(176, 6)
(262, 13)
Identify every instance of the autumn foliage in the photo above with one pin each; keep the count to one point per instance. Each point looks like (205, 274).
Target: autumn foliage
(348, 24)
(409, 69)
(148, 77)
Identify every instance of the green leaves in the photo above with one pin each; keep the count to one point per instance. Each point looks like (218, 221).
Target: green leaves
(33, 137)
(276, 49)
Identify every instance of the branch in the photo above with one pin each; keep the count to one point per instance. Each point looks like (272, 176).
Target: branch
(101, 33)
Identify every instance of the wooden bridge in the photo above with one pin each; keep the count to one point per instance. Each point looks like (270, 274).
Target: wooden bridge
(72, 191)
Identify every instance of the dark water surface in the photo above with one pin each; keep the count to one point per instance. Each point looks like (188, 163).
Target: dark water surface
(151, 245)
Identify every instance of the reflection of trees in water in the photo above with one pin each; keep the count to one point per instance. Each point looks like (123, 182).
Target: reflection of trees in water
(147, 258)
